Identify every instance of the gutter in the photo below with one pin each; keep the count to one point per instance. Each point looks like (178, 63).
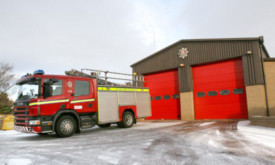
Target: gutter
(262, 61)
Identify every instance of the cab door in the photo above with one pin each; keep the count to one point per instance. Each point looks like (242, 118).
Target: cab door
(82, 99)
(57, 100)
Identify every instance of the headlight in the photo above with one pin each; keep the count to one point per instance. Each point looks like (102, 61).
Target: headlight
(34, 122)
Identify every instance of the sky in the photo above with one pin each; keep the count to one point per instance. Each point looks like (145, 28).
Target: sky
(59, 35)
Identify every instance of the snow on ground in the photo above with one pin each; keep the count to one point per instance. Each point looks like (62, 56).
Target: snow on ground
(154, 125)
(157, 143)
(19, 161)
(262, 135)
(206, 123)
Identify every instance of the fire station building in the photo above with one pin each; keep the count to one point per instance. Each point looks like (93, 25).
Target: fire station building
(210, 79)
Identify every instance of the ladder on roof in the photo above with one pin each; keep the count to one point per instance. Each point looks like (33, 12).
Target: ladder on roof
(132, 80)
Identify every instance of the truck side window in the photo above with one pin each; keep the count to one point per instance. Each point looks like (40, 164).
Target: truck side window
(56, 87)
(81, 88)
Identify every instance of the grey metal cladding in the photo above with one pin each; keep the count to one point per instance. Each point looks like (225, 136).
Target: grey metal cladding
(203, 52)
(252, 66)
(185, 78)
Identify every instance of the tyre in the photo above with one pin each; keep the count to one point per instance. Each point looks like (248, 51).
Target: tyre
(66, 126)
(128, 120)
(104, 125)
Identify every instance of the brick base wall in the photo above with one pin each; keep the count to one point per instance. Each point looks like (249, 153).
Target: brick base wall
(270, 85)
(187, 106)
(264, 121)
(256, 103)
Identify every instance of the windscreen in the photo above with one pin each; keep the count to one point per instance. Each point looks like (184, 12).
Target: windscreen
(28, 90)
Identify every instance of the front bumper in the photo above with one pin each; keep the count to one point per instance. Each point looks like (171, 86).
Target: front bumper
(28, 129)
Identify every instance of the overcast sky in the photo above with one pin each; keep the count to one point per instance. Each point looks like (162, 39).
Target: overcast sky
(58, 35)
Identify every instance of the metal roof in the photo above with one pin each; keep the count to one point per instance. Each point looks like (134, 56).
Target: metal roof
(259, 39)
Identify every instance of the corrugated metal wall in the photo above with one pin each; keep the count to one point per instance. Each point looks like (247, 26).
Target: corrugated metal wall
(201, 52)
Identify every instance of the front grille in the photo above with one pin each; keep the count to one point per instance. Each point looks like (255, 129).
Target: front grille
(21, 103)
(21, 116)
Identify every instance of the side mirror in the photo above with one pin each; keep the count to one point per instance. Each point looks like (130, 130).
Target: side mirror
(48, 90)
(47, 87)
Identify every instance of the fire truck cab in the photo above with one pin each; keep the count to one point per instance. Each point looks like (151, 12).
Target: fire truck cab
(68, 104)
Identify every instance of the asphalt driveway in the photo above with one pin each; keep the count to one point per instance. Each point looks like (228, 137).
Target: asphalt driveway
(146, 143)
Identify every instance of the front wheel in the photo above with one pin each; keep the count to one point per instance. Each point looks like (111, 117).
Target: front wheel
(127, 121)
(66, 126)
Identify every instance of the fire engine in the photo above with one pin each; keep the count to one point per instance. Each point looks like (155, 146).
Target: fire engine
(66, 105)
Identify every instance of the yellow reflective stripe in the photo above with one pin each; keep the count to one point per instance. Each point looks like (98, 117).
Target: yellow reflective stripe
(81, 101)
(122, 89)
(48, 102)
(102, 88)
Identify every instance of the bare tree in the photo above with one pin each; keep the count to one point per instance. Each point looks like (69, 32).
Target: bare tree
(6, 77)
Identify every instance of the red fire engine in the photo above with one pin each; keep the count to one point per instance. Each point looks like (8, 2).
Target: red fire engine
(68, 104)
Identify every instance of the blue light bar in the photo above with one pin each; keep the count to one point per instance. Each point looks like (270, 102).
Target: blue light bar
(39, 72)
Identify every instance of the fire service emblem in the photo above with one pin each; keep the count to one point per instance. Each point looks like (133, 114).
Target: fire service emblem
(183, 53)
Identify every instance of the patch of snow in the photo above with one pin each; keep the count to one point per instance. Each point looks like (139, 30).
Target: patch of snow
(218, 132)
(50, 144)
(10, 132)
(136, 163)
(150, 125)
(212, 143)
(19, 161)
(13, 132)
(229, 157)
(109, 159)
(148, 143)
(262, 135)
(206, 123)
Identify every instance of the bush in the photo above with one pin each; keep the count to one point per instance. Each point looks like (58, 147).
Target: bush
(5, 104)
(5, 110)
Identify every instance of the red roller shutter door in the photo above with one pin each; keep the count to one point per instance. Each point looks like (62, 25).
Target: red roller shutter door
(164, 91)
(219, 91)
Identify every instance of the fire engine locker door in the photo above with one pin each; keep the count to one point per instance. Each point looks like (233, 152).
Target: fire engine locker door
(219, 91)
(164, 92)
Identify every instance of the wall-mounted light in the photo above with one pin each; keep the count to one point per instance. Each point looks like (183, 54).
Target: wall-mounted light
(181, 65)
(249, 52)
(134, 73)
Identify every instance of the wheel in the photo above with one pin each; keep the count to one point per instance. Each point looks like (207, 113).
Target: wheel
(65, 126)
(42, 134)
(104, 125)
(128, 120)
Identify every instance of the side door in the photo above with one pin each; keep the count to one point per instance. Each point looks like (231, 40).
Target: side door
(57, 100)
(83, 98)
